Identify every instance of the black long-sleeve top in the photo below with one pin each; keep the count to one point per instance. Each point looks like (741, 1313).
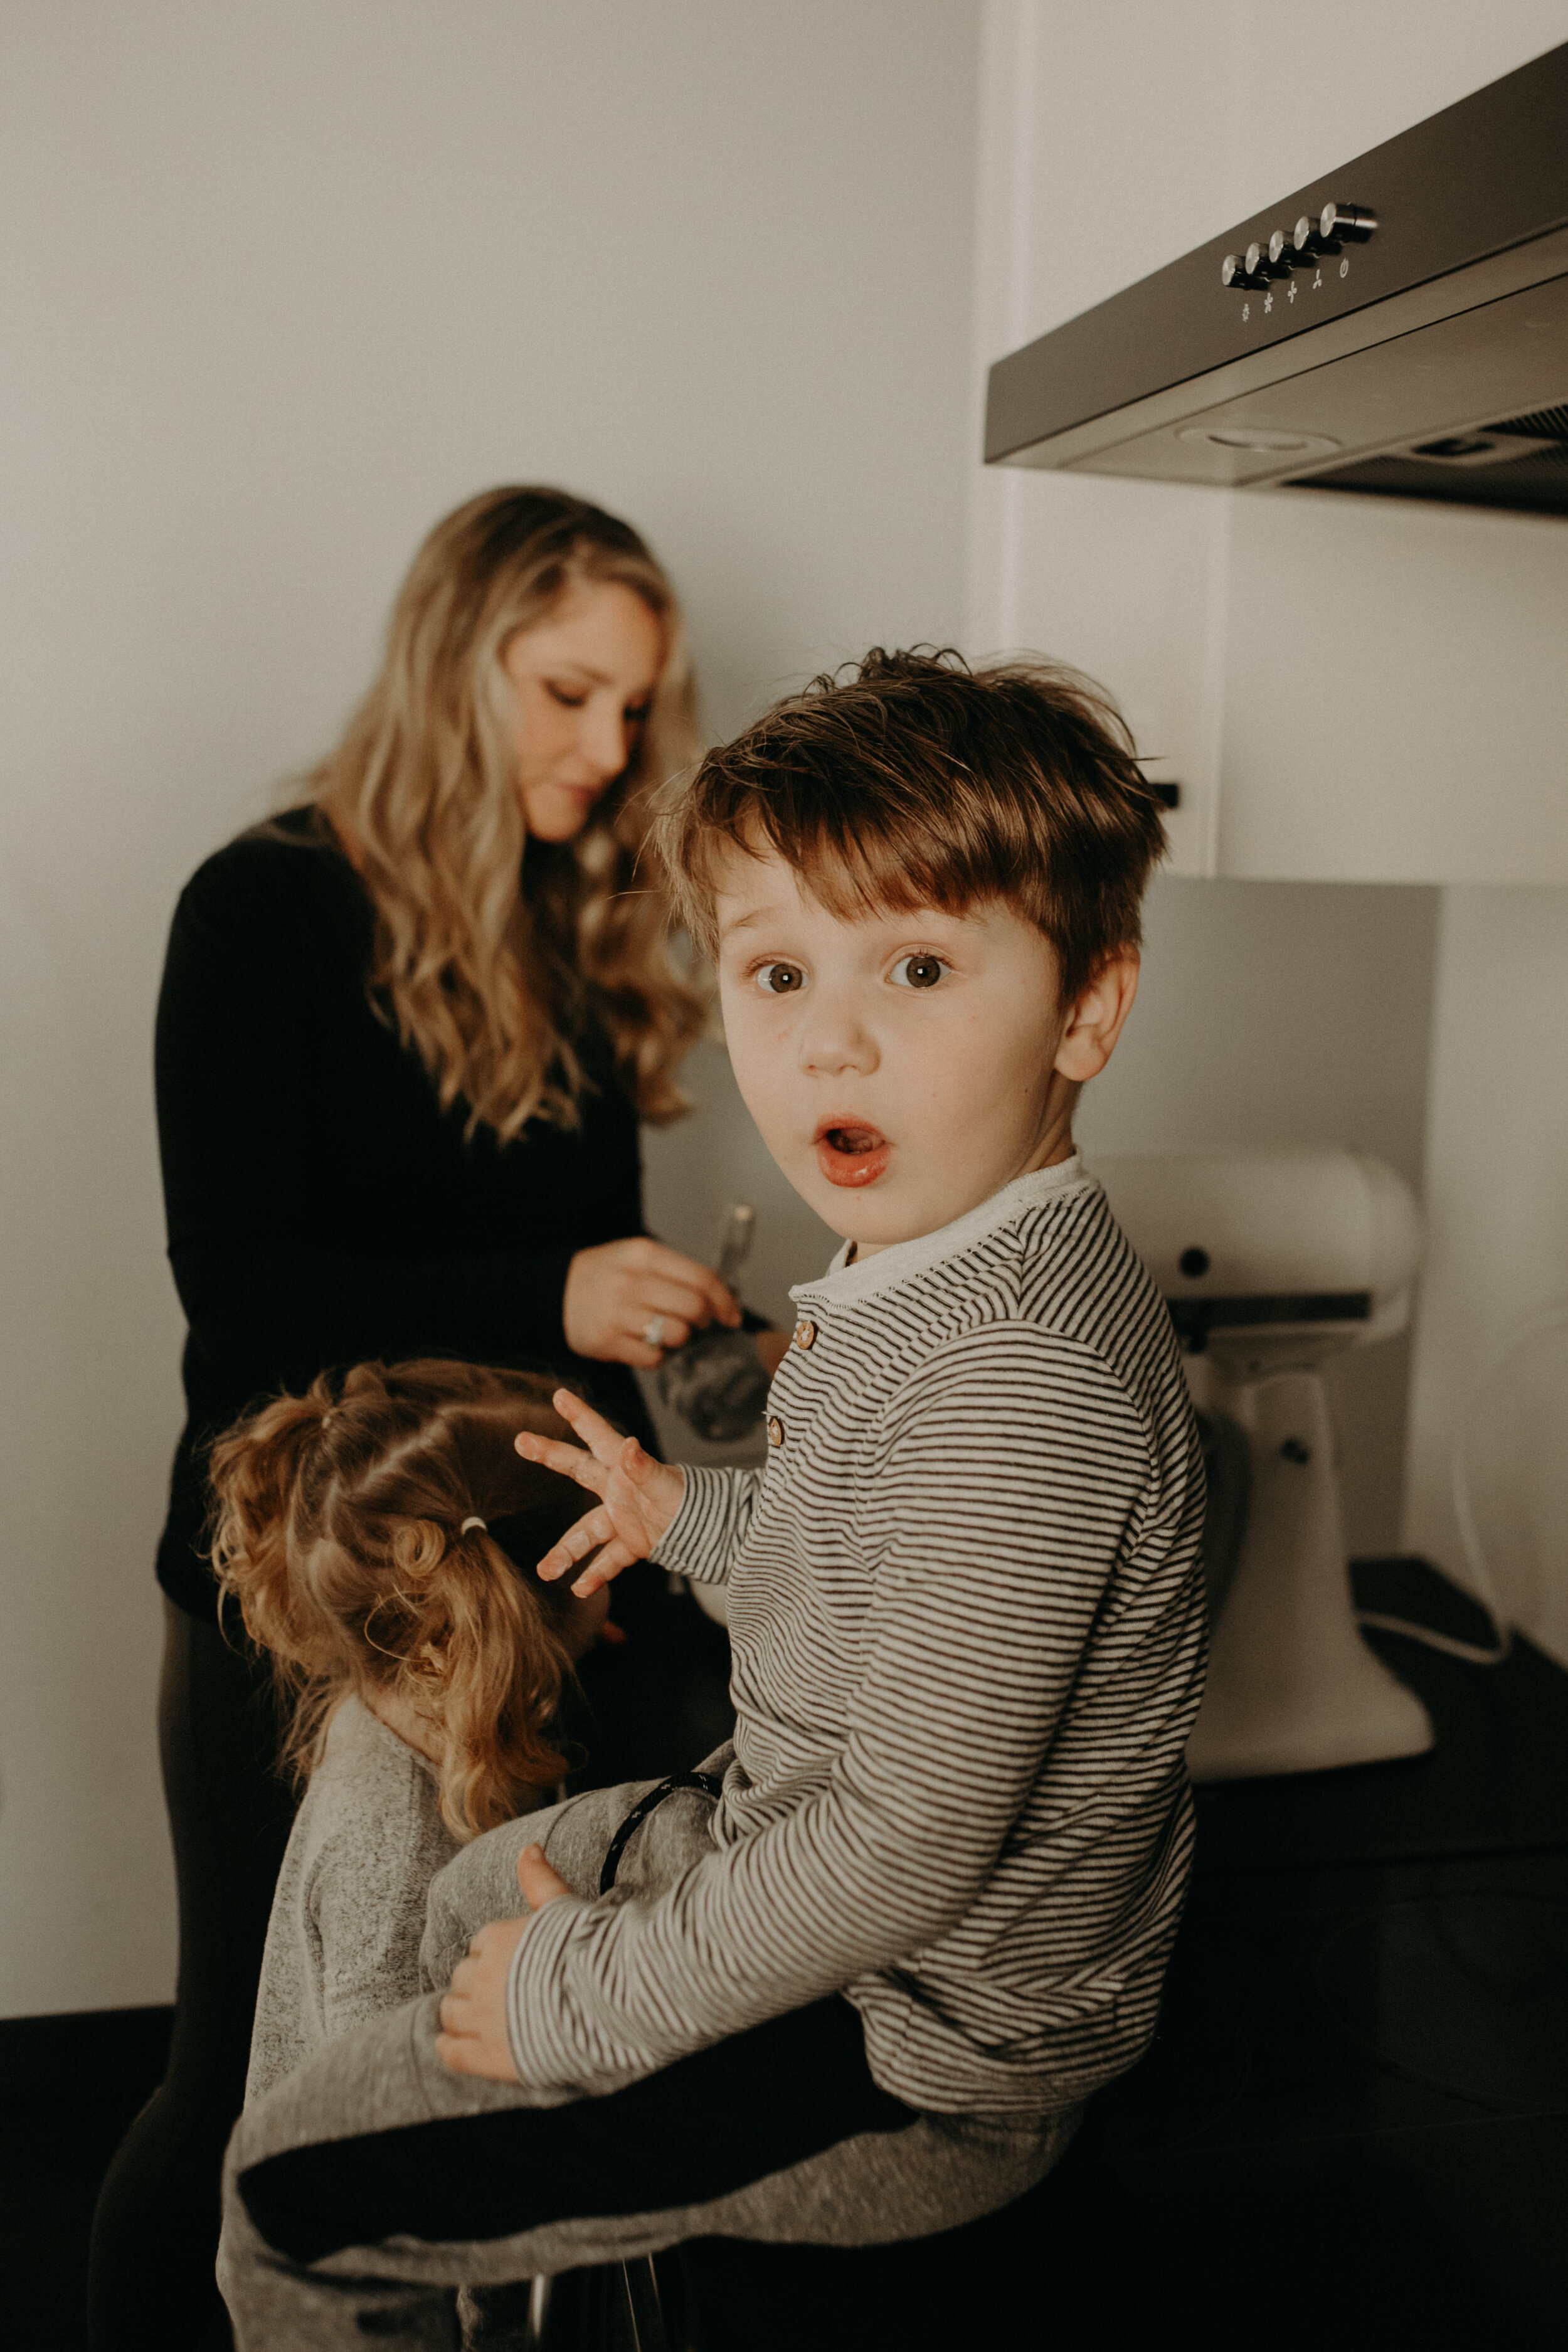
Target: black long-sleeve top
(322, 1209)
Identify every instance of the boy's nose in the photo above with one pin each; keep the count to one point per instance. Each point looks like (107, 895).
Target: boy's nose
(834, 1039)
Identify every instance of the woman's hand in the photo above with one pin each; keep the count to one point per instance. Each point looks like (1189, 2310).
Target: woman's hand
(638, 1496)
(616, 1292)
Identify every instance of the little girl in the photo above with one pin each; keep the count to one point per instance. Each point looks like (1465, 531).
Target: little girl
(380, 1535)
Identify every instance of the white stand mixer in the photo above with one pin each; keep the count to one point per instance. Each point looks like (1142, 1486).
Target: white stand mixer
(1269, 1261)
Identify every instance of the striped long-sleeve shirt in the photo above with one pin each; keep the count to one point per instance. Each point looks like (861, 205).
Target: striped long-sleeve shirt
(967, 1620)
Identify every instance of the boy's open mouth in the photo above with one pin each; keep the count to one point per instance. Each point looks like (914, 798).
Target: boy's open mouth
(850, 1153)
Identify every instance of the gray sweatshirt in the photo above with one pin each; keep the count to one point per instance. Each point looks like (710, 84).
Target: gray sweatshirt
(342, 1944)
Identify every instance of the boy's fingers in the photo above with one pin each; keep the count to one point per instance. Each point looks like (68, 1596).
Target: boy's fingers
(457, 2013)
(554, 1454)
(477, 2054)
(603, 1442)
(540, 1884)
(473, 2038)
(597, 1528)
(609, 1564)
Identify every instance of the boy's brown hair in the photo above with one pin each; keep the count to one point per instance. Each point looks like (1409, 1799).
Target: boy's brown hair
(917, 782)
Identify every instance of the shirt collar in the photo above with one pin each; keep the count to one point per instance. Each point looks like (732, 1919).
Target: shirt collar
(843, 1285)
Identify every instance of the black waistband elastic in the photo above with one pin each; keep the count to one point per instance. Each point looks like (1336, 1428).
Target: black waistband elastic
(708, 1783)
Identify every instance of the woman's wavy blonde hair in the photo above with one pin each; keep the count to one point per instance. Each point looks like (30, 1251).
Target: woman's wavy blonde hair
(485, 962)
(338, 1529)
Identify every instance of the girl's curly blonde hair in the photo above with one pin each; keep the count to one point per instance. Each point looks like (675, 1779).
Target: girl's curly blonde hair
(338, 1529)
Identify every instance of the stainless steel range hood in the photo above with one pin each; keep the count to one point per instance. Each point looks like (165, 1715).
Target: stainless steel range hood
(1399, 327)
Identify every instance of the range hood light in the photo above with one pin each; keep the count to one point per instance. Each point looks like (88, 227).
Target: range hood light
(1253, 437)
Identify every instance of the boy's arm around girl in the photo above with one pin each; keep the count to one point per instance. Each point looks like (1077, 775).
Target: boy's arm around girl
(909, 1861)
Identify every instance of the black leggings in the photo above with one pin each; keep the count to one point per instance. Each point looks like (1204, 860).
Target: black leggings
(154, 2237)
(446, 2171)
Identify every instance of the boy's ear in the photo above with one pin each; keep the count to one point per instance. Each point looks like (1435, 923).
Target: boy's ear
(1097, 1017)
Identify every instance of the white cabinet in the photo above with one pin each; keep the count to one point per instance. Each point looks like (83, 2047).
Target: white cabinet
(1129, 587)
(1394, 702)
(1101, 152)
(1347, 688)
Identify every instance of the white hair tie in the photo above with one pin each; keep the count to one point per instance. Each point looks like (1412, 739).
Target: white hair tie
(473, 1520)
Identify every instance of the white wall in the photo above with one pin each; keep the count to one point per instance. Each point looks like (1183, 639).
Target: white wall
(281, 284)
(1278, 1014)
(1497, 1157)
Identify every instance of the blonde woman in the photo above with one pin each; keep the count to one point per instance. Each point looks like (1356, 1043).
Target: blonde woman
(407, 1032)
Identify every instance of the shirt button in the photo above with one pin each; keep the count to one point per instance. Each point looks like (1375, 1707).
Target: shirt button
(805, 1335)
(775, 1431)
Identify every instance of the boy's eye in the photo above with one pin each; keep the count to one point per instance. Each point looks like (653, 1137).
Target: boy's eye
(781, 979)
(919, 971)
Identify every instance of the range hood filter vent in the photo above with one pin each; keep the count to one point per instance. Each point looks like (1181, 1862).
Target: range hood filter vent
(1474, 468)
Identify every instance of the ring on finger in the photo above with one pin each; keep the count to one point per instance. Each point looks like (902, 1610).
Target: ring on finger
(652, 1332)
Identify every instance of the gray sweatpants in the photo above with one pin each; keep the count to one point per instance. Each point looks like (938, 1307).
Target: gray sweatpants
(920, 2177)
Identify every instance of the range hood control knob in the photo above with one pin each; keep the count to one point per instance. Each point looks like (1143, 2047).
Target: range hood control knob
(1349, 222)
(1337, 226)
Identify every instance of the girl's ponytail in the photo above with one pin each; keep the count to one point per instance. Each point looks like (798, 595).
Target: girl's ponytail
(339, 1529)
(259, 1472)
(486, 1644)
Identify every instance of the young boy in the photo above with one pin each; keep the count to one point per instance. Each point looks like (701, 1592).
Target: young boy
(864, 2000)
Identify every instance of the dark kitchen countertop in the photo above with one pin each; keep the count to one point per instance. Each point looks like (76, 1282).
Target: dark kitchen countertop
(1352, 2126)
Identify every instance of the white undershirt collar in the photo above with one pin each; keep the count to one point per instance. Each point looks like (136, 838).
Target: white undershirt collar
(843, 1285)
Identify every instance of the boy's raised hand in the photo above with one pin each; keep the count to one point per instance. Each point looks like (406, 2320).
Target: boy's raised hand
(639, 1497)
